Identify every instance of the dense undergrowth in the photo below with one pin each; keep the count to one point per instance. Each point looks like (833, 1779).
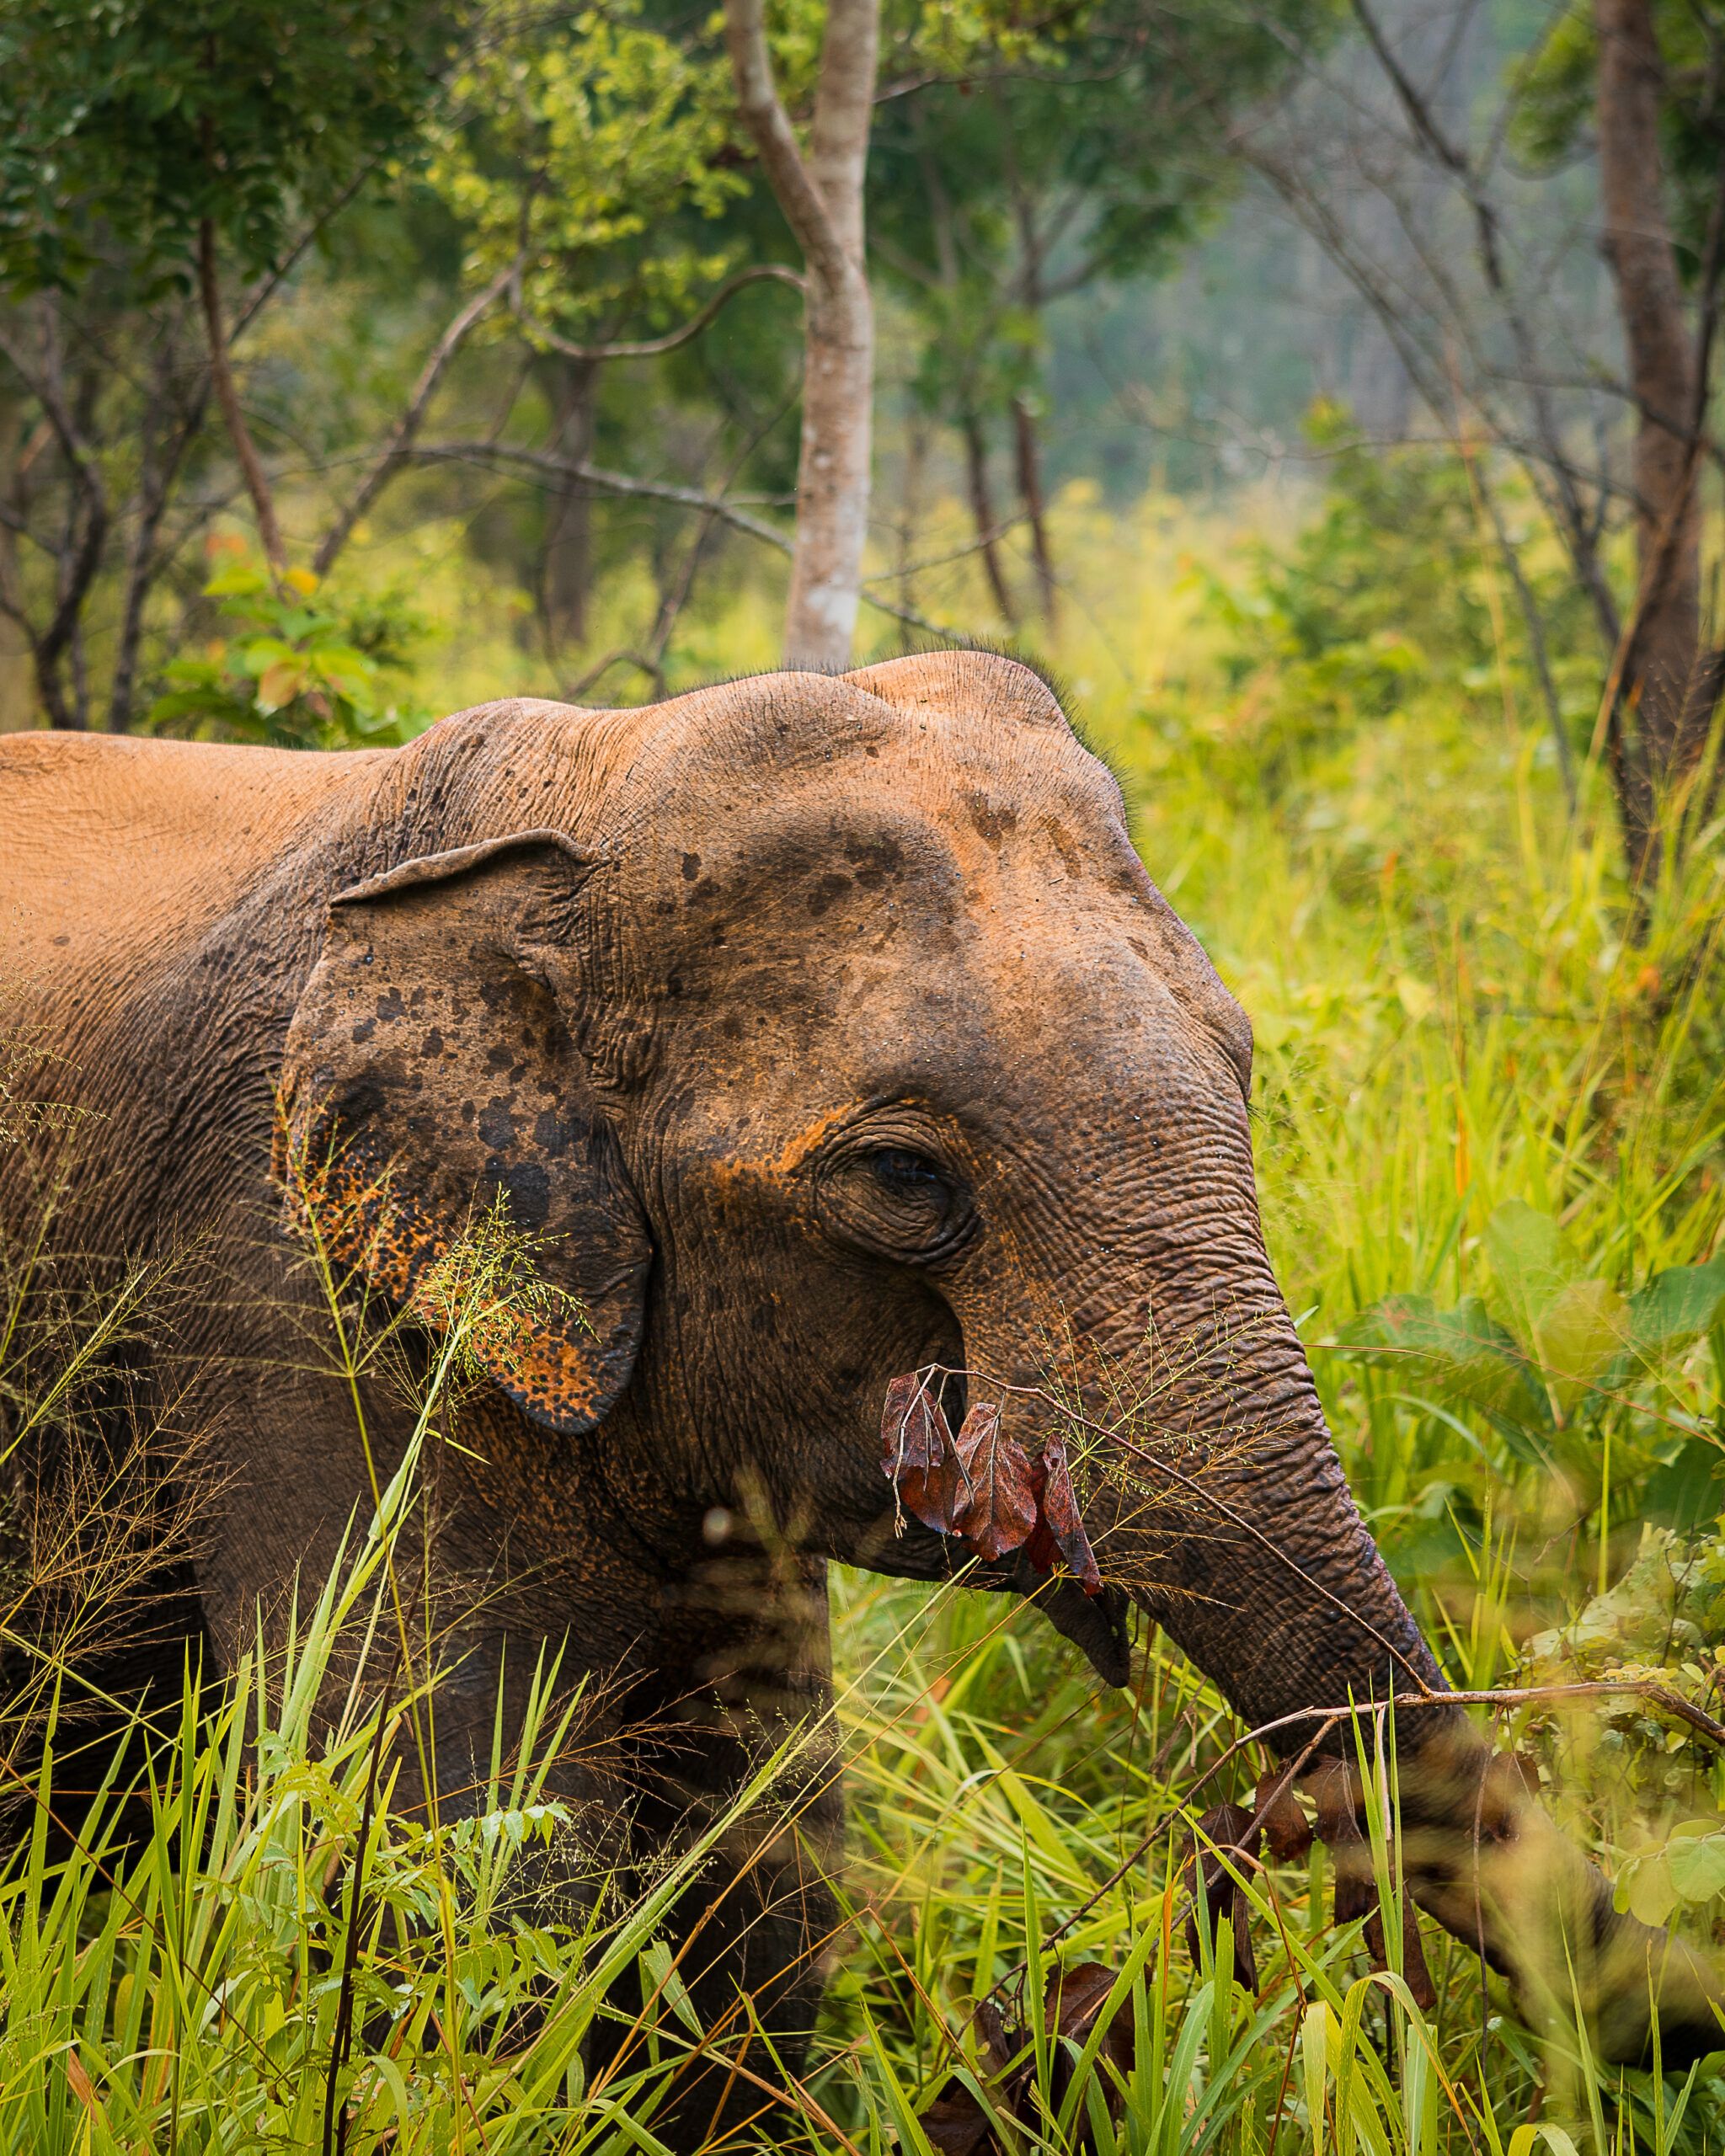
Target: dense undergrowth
(1490, 1100)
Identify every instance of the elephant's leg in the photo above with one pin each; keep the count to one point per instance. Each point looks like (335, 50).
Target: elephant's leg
(746, 1675)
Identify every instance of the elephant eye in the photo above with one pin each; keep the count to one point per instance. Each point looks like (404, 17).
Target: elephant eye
(897, 1201)
(911, 1174)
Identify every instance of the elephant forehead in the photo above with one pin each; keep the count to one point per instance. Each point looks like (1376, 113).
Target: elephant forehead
(851, 878)
(956, 843)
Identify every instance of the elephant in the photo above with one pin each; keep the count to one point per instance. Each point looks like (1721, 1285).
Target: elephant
(813, 1029)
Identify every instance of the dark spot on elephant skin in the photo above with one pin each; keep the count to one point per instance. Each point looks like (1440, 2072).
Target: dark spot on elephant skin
(433, 1044)
(363, 1028)
(551, 1133)
(497, 1126)
(390, 1005)
(875, 862)
(831, 886)
(1070, 860)
(691, 867)
(527, 1186)
(993, 820)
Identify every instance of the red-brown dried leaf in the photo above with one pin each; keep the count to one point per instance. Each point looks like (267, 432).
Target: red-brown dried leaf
(1286, 1828)
(1414, 1961)
(1059, 1505)
(957, 2125)
(997, 1509)
(956, 2122)
(1074, 1998)
(1224, 1828)
(1000, 2045)
(917, 1455)
(1337, 1795)
(1042, 1550)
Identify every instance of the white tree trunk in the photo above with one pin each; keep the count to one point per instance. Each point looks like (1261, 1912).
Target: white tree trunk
(821, 197)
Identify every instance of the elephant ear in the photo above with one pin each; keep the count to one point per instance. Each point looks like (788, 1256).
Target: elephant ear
(431, 1085)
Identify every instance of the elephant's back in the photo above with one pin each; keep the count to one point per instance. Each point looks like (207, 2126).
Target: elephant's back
(118, 853)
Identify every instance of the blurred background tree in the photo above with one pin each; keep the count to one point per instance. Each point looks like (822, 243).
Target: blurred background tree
(519, 291)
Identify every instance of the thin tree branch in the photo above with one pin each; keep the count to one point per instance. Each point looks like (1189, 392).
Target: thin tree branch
(227, 399)
(659, 490)
(625, 483)
(988, 538)
(401, 438)
(651, 348)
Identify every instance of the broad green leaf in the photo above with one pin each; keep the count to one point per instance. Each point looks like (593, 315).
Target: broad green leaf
(1696, 1864)
(1580, 1330)
(1675, 1306)
(239, 581)
(257, 655)
(1526, 1250)
(1648, 1893)
(1462, 1354)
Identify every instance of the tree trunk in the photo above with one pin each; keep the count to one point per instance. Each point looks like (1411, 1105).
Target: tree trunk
(915, 466)
(1029, 457)
(822, 201)
(567, 567)
(982, 512)
(1660, 676)
(14, 644)
(222, 381)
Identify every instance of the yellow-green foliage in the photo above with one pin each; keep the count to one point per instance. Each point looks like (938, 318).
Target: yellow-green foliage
(1489, 1107)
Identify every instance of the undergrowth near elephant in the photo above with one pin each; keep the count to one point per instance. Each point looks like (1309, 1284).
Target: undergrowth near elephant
(1486, 1119)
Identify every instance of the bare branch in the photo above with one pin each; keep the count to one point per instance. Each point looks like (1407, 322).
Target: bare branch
(988, 538)
(630, 487)
(393, 452)
(565, 468)
(651, 348)
(228, 399)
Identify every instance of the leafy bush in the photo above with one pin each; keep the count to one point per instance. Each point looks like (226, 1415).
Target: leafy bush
(295, 669)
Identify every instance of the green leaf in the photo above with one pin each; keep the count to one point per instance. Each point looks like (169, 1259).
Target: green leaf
(1579, 1332)
(667, 1980)
(1696, 1864)
(1463, 1353)
(257, 655)
(349, 672)
(1674, 1306)
(238, 581)
(1527, 1254)
(1645, 1889)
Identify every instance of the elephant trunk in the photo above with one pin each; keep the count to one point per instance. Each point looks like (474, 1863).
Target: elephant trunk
(1216, 1500)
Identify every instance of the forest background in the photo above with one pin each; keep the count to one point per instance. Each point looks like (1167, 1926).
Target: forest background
(1325, 391)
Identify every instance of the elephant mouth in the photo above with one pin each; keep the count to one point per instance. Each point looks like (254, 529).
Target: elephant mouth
(1096, 1625)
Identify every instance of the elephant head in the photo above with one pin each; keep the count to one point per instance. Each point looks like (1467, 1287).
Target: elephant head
(830, 1029)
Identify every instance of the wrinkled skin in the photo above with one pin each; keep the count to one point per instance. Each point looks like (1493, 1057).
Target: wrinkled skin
(828, 1028)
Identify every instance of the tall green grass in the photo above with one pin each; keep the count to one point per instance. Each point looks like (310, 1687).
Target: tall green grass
(1484, 1081)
